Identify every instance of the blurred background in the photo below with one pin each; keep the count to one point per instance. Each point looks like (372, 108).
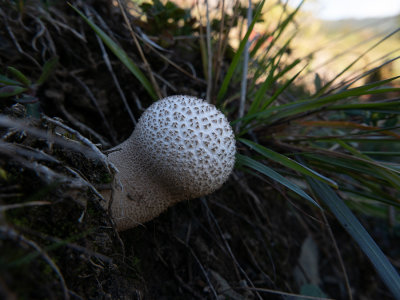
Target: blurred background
(327, 34)
(352, 9)
(343, 30)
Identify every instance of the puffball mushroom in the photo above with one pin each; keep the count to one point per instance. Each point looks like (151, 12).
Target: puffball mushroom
(182, 148)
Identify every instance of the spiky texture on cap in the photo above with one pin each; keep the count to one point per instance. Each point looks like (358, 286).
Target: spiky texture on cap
(181, 148)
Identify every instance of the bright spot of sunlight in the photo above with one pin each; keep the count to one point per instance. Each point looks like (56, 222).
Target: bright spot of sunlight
(342, 9)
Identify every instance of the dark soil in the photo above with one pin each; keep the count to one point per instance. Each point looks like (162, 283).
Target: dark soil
(242, 242)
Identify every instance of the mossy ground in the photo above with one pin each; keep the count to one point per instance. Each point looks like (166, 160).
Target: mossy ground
(247, 235)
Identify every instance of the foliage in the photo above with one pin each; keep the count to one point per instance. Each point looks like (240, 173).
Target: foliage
(164, 19)
(336, 147)
(22, 89)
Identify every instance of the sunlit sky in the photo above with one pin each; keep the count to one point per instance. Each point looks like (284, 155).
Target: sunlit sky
(341, 9)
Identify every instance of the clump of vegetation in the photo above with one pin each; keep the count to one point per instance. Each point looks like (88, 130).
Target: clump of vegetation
(22, 89)
(334, 145)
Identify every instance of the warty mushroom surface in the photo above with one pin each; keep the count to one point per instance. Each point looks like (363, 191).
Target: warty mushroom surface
(182, 148)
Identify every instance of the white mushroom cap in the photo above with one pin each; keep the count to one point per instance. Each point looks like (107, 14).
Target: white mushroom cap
(181, 148)
(189, 142)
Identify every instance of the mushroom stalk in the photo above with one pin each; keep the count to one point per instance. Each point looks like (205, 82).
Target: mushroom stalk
(181, 148)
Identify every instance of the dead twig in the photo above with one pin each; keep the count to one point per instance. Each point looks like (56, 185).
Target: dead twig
(84, 250)
(14, 39)
(243, 88)
(25, 204)
(96, 105)
(109, 65)
(10, 233)
(225, 41)
(146, 63)
(297, 296)
(82, 126)
(201, 267)
(227, 246)
(339, 256)
(110, 167)
(115, 79)
(85, 182)
(209, 54)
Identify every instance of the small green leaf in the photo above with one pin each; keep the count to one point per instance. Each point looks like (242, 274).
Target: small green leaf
(7, 81)
(19, 75)
(11, 90)
(3, 174)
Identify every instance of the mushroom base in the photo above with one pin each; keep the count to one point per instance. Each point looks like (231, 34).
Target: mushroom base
(136, 197)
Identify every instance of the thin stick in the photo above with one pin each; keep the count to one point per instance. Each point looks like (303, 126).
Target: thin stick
(146, 63)
(14, 39)
(82, 126)
(200, 80)
(115, 79)
(201, 266)
(152, 48)
(221, 32)
(243, 90)
(110, 167)
(225, 40)
(93, 98)
(162, 56)
(17, 237)
(20, 125)
(296, 296)
(25, 204)
(227, 246)
(209, 55)
(85, 250)
(341, 263)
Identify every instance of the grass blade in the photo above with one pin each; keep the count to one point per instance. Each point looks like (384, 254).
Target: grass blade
(395, 103)
(11, 90)
(281, 89)
(276, 113)
(257, 166)
(344, 215)
(287, 162)
(388, 173)
(259, 103)
(327, 85)
(263, 89)
(371, 197)
(243, 88)
(19, 75)
(280, 29)
(7, 81)
(308, 105)
(238, 54)
(48, 68)
(121, 54)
